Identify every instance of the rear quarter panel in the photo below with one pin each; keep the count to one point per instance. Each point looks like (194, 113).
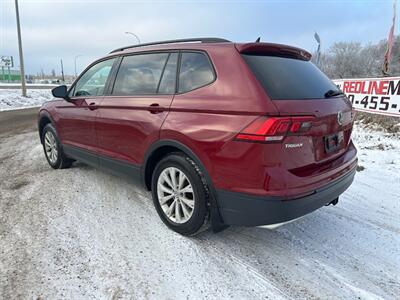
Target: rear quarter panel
(207, 119)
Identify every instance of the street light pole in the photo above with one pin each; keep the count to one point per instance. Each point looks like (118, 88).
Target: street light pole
(21, 56)
(75, 63)
(131, 33)
(62, 72)
(318, 39)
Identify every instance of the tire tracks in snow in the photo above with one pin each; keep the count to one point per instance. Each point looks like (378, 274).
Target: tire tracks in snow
(278, 293)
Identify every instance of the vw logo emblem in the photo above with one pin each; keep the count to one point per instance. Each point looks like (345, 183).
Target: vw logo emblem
(340, 118)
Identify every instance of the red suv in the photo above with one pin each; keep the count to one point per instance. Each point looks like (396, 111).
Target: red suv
(236, 134)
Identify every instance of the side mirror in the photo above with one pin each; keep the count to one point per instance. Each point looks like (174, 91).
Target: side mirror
(60, 92)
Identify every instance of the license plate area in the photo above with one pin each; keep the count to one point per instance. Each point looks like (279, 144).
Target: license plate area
(333, 142)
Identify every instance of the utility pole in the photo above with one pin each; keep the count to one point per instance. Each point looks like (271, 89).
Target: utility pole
(21, 56)
(79, 55)
(62, 72)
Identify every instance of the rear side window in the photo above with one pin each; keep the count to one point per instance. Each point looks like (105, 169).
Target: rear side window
(195, 71)
(288, 78)
(139, 74)
(168, 81)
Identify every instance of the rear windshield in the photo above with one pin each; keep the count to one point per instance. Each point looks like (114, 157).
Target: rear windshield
(288, 78)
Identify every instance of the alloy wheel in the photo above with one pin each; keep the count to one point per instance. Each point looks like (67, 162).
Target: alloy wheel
(175, 195)
(50, 146)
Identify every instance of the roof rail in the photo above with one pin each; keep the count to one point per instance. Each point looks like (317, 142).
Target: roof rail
(201, 40)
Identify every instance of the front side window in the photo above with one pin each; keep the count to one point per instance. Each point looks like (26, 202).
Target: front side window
(139, 74)
(195, 71)
(93, 81)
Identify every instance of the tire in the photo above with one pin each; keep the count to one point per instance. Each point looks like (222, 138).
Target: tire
(191, 217)
(53, 150)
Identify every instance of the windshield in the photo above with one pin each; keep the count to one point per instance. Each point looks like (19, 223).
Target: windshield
(288, 78)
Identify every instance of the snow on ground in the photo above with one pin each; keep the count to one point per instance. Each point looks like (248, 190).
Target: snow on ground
(80, 233)
(12, 99)
(12, 85)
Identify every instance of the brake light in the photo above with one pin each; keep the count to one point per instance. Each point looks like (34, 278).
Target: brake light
(274, 129)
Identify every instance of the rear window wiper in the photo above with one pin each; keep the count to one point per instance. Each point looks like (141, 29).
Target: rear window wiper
(333, 93)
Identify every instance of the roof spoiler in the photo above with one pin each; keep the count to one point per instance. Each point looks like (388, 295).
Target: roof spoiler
(274, 50)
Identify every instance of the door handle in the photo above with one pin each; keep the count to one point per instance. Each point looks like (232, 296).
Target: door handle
(155, 108)
(92, 106)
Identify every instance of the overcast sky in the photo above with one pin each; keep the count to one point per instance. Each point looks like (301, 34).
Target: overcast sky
(57, 29)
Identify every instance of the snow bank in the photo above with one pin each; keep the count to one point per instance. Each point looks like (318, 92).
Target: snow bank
(376, 146)
(33, 85)
(12, 99)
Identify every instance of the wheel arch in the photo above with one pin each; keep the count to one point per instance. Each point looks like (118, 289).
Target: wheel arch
(43, 120)
(160, 149)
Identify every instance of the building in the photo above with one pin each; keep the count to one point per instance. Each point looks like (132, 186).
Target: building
(7, 75)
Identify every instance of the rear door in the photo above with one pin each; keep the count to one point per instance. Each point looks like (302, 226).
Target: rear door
(298, 88)
(130, 116)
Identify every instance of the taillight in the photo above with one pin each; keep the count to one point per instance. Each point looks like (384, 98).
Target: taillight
(274, 129)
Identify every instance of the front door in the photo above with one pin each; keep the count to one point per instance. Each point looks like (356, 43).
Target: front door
(76, 118)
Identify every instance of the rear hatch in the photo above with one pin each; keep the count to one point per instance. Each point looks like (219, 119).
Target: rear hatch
(318, 115)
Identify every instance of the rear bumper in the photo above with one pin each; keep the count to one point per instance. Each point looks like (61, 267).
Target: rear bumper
(248, 210)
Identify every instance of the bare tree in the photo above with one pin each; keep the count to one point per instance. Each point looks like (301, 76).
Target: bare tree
(351, 60)
(347, 59)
